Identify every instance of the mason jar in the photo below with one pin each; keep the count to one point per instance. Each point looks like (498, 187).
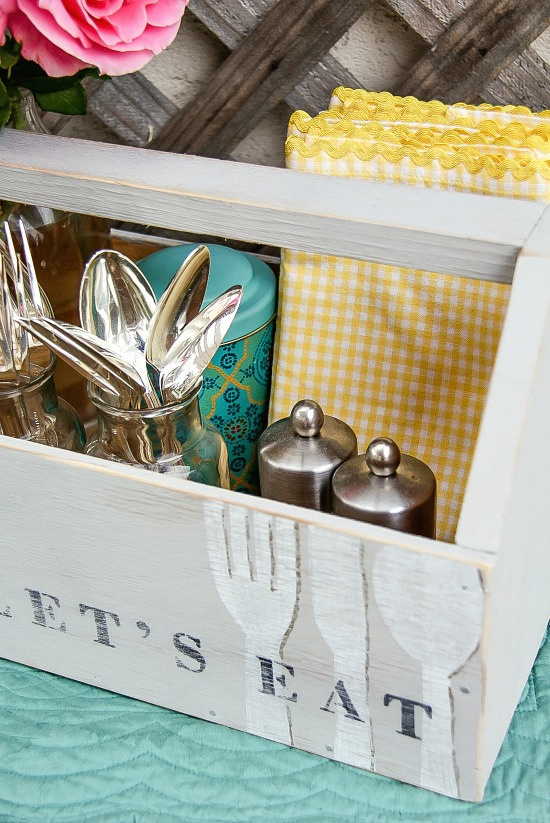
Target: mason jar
(33, 411)
(172, 439)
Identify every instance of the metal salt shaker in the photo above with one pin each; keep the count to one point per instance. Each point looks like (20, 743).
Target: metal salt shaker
(298, 455)
(387, 488)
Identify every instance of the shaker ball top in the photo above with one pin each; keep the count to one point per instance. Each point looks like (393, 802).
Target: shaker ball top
(307, 418)
(383, 456)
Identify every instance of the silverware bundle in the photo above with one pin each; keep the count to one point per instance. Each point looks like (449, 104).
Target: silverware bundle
(141, 353)
(29, 406)
(166, 345)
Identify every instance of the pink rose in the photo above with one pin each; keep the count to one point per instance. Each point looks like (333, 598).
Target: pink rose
(5, 7)
(116, 36)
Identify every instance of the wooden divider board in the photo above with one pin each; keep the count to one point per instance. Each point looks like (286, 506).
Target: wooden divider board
(395, 653)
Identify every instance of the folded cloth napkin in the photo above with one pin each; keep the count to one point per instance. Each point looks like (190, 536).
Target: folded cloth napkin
(393, 351)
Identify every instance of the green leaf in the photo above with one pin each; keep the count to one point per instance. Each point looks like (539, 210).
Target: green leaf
(4, 96)
(5, 210)
(8, 58)
(5, 105)
(5, 114)
(66, 101)
(31, 76)
(43, 85)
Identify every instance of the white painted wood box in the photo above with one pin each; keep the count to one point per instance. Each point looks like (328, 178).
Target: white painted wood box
(395, 653)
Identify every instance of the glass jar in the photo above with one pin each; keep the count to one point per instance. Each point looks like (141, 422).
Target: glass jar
(61, 243)
(172, 439)
(33, 411)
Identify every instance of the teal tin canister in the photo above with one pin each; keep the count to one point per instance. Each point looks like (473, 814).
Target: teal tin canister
(235, 390)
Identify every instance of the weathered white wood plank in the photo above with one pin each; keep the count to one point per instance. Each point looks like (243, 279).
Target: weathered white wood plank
(509, 403)
(444, 231)
(202, 600)
(505, 506)
(428, 631)
(142, 479)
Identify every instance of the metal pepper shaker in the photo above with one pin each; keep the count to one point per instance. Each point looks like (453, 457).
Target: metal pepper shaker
(298, 455)
(387, 488)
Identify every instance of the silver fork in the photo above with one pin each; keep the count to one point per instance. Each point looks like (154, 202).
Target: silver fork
(24, 275)
(8, 372)
(15, 423)
(31, 301)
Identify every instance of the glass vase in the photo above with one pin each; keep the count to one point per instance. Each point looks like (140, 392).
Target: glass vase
(33, 411)
(61, 243)
(173, 439)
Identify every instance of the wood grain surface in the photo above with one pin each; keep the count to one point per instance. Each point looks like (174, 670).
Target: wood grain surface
(280, 50)
(478, 50)
(524, 79)
(476, 47)
(453, 232)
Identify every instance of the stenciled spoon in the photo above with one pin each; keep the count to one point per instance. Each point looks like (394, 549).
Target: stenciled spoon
(116, 304)
(196, 345)
(92, 358)
(178, 306)
(422, 600)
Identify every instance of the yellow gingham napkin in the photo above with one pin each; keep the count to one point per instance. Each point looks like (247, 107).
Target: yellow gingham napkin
(393, 351)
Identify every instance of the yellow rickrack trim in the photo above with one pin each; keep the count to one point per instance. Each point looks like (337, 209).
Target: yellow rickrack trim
(414, 107)
(462, 131)
(489, 136)
(496, 165)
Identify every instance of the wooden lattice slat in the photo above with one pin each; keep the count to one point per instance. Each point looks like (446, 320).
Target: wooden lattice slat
(232, 22)
(136, 121)
(139, 110)
(476, 47)
(524, 77)
(279, 51)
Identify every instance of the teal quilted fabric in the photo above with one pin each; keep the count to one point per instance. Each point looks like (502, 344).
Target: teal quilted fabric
(70, 753)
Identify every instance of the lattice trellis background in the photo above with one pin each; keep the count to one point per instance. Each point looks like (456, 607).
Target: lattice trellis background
(226, 87)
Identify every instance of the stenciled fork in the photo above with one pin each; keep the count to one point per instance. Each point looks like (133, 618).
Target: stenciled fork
(255, 561)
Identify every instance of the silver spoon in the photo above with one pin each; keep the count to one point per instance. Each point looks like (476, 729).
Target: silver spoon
(92, 358)
(178, 306)
(196, 345)
(109, 359)
(116, 304)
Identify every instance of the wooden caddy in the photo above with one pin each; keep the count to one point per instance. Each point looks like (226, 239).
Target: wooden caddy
(395, 653)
